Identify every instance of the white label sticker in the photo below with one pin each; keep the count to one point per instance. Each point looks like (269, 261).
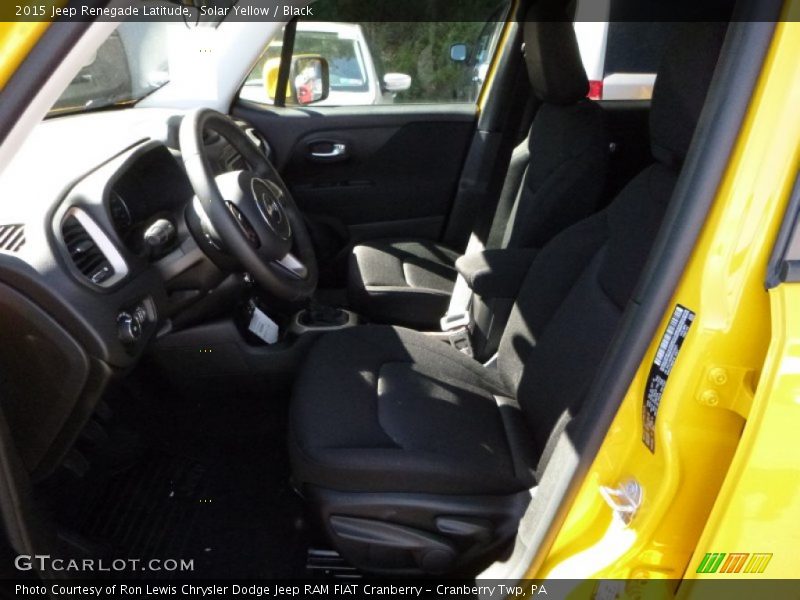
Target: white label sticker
(264, 327)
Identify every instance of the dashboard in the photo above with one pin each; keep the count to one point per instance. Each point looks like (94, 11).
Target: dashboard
(96, 258)
(152, 187)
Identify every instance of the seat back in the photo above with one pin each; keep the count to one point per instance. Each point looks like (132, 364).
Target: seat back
(575, 291)
(557, 176)
(568, 143)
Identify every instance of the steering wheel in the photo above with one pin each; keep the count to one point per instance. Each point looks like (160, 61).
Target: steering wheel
(251, 210)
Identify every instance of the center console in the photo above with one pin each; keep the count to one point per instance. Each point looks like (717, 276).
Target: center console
(257, 346)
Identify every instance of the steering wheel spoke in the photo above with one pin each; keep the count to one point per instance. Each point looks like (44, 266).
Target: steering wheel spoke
(292, 265)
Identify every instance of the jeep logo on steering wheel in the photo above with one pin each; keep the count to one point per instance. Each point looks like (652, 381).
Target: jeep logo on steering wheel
(266, 197)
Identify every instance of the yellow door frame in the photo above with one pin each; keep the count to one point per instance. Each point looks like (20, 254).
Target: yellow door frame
(16, 42)
(500, 49)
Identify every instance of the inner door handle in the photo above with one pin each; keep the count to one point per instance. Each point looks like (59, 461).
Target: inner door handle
(328, 150)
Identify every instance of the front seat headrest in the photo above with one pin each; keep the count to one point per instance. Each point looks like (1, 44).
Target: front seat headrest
(555, 68)
(681, 87)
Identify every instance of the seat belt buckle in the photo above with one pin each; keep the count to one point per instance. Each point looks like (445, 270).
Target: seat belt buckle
(459, 320)
(459, 339)
(456, 326)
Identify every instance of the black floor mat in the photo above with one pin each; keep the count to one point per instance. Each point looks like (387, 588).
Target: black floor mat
(209, 482)
(149, 510)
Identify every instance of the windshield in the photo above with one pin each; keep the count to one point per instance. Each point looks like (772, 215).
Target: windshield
(131, 63)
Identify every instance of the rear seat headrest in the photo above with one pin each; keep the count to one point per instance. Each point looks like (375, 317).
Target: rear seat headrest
(554, 61)
(681, 88)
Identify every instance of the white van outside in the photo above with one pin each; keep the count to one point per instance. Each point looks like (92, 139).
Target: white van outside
(620, 55)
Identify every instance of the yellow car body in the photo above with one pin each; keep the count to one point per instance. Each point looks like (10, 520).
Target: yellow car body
(16, 40)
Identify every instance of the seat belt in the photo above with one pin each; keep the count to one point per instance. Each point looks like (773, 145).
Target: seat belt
(457, 321)
(503, 223)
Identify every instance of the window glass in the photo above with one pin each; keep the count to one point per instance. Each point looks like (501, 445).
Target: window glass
(130, 64)
(389, 62)
(348, 73)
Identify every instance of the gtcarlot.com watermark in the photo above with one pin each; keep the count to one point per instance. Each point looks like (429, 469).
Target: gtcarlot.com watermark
(47, 563)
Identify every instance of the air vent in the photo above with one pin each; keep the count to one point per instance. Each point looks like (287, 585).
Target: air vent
(12, 237)
(90, 249)
(84, 252)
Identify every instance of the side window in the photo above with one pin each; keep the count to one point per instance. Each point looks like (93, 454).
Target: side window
(387, 62)
(621, 58)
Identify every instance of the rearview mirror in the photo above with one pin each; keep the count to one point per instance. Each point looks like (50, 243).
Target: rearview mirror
(309, 79)
(459, 52)
(396, 82)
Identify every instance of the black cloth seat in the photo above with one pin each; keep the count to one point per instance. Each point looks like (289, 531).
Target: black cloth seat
(387, 408)
(377, 428)
(409, 282)
(379, 411)
(402, 281)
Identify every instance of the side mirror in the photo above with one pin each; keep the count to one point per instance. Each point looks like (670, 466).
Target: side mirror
(396, 82)
(270, 75)
(309, 79)
(459, 53)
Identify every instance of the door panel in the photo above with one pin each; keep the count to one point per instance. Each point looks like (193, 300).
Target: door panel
(379, 170)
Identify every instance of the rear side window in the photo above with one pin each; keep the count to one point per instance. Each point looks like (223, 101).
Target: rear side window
(635, 47)
(389, 61)
(621, 58)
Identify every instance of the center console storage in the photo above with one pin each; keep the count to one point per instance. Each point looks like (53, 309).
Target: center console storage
(322, 318)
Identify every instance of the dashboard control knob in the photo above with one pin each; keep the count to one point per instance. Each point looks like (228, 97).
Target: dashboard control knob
(159, 236)
(129, 328)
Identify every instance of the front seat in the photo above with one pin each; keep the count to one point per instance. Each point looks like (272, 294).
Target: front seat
(409, 282)
(418, 459)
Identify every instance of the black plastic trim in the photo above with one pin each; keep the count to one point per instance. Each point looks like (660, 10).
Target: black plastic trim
(287, 50)
(410, 530)
(784, 262)
(454, 111)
